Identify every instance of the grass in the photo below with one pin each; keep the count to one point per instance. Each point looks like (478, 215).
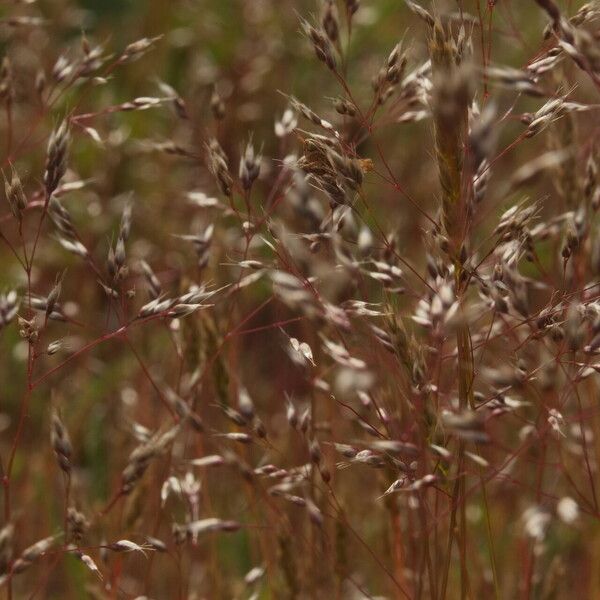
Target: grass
(299, 299)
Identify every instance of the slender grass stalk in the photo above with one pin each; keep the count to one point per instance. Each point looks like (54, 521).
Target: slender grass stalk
(450, 111)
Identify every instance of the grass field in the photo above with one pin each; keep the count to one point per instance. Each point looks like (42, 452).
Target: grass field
(299, 299)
